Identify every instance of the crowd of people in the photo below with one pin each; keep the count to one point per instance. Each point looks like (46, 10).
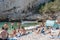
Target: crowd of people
(16, 32)
(21, 31)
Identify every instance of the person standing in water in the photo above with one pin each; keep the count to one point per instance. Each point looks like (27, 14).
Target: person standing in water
(5, 26)
(12, 24)
(18, 24)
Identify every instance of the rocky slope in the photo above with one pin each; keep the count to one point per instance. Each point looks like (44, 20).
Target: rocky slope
(18, 9)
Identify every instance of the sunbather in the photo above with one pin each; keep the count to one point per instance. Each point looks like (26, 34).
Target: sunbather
(41, 29)
(14, 32)
(4, 34)
(23, 31)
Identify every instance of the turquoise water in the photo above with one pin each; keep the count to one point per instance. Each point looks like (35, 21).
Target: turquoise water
(24, 25)
(15, 25)
(9, 24)
(52, 23)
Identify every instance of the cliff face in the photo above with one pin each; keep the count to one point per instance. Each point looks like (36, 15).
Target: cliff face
(18, 8)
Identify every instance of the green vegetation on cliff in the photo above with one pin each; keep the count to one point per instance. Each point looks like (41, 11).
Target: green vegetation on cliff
(50, 7)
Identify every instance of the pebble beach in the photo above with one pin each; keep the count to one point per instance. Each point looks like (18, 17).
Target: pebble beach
(34, 36)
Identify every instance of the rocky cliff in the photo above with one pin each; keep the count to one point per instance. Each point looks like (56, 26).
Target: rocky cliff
(18, 9)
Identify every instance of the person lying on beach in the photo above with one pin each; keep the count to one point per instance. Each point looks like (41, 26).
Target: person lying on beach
(53, 32)
(23, 31)
(48, 31)
(41, 29)
(12, 37)
(14, 32)
(18, 32)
